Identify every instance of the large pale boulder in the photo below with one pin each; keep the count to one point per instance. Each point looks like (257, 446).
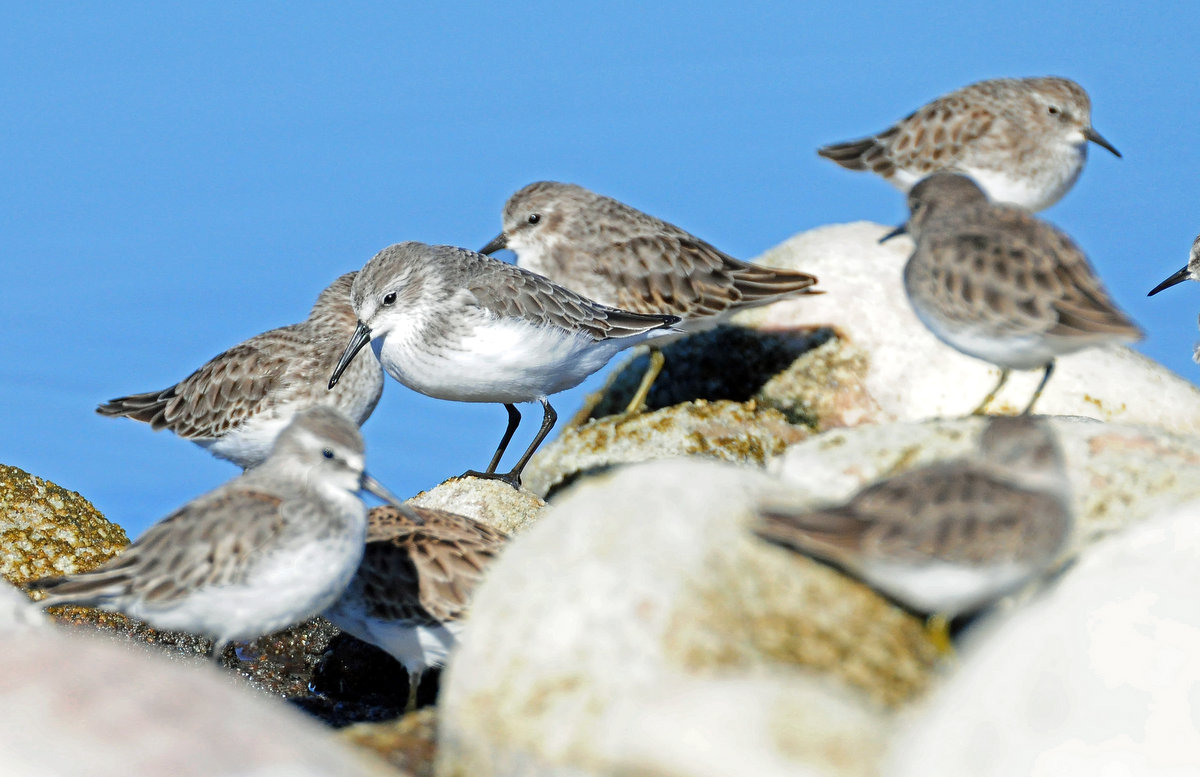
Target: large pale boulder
(637, 577)
(73, 704)
(1101, 676)
(910, 375)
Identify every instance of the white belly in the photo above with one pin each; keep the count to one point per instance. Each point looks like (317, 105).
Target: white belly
(286, 588)
(948, 589)
(502, 361)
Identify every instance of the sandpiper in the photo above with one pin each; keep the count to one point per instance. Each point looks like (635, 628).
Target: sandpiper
(413, 588)
(237, 403)
(1024, 140)
(620, 256)
(268, 549)
(454, 324)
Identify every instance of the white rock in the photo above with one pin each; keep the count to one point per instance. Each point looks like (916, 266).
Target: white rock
(81, 705)
(1119, 474)
(636, 577)
(1101, 677)
(788, 725)
(913, 376)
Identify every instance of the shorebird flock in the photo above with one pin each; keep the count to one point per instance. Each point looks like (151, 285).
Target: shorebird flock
(291, 538)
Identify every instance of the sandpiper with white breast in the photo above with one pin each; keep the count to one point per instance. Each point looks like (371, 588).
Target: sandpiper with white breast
(999, 284)
(413, 589)
(237, 403)
(267, 550)
(1024, 140)
(620, 256)
(454, 324)
(948, 538)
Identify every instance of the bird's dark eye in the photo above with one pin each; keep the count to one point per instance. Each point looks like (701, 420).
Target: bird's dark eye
(534, 218)
(389, 298)
(1053, 110)
(327, 453)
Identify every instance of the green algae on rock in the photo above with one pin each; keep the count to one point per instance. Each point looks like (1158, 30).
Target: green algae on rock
(47, 530)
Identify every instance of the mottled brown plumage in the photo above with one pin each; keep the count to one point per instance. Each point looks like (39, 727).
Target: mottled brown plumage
(1023, 140)
(241, 398)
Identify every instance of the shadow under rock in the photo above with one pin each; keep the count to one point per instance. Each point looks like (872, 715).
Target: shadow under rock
(726, 362)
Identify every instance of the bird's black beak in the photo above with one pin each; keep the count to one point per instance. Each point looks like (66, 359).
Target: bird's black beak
(897, 232)
(1178, 277)
(361, 336)
(498, 242)
(1099, 140)
(373, 486)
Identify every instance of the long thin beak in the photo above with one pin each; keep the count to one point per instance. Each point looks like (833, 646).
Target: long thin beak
(498, 242)
(373, 486)
(1099, 140)
(897, 232)
(1178, 277)
(361, 336)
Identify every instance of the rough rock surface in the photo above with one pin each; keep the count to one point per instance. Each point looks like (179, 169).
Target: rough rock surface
(736, 432)
(910, 375)
(1119, 474)
(497, 504)
(47, 530)
(1098, 677)
(653, 574)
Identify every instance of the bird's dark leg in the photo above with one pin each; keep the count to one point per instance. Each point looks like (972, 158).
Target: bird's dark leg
(513, 477)
(514, 420)
(1045, 377)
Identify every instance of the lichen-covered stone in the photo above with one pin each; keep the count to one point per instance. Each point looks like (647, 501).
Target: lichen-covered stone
(409, 744)
(493, 502)
(913, 376)
(1119, 474)
(643, 574)
(47, 530)
(736, 432)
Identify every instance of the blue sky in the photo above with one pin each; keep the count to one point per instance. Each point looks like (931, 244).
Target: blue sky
(177, 178)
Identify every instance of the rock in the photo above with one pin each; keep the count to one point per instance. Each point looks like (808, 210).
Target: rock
(1119, 474)
(728, 362)
(910, 375)
(46, 530)
(409, 744)
(497, 504)
(644, 574)
(742, 433)
(1098, 677)
(788, 725)
(74, 704)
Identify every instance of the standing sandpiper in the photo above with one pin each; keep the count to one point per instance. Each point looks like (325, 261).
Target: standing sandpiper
(413, 588)
(1024, 140)
(997, 283)
(266, 550)
(620, 256)
(237, 403)
(454, 324)
(949, 538)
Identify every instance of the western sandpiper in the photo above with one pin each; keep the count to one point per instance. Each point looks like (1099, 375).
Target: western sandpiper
(454, 324)
(413, 588)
